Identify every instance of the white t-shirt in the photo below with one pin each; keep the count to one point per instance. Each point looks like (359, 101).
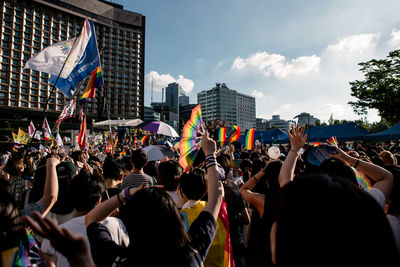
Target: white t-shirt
(114, 225)
(394, 221)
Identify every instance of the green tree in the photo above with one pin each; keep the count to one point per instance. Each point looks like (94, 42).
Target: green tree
(380, 88)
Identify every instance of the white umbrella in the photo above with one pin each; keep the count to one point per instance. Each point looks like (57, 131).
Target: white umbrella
(155, 152)
(160, 127)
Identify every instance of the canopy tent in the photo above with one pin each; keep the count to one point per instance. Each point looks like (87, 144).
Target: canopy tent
(122, 122)
(273, 136)
(343, 132)
(389, 134)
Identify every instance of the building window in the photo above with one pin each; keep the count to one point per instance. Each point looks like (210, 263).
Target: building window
(13, 103)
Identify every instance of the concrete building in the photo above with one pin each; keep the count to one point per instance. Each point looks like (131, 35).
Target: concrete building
(183, 100)
(277, 122)
(305, 118)
(246, 111)
(218, 103)
(185, 112)
(150, 114)
(27, 27)
(262, 124)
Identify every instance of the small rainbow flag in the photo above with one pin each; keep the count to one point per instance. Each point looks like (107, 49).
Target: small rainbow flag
(249, 139)
(363, 181)
(222, 136)
(123, 153)
(187, 146)
(233, 135)
(333, 141)
(95, 81)
(144, 138)
(317, 144)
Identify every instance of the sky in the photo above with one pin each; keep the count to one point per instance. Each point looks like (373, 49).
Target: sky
(292, 56)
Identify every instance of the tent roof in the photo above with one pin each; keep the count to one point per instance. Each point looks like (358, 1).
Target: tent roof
(391, 133)
(343, 132)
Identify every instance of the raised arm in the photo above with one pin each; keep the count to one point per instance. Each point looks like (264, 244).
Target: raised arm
(382, 177)
(102, 211)
(214, 186)
(297, 141)
(50, 193)
(255, 199)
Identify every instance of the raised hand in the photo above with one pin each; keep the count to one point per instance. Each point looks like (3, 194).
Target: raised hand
(297, 137)
(208, 144)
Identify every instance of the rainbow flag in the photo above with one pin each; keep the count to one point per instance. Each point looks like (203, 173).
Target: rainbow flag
(123, 154)
(333, 141)
(188, 146)
(363, 181)
(222, 136)
(95, 81)
(144, 138)
(233, 135)
(249, 139)
(15, 137)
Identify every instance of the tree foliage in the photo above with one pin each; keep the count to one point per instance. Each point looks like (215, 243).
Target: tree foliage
(380, 88)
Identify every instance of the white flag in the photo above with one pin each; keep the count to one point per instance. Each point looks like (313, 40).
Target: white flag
(68, 111)
(46, 129)
(59, 141)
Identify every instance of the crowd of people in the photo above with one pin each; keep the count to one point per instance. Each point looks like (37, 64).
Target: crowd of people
(233, 208)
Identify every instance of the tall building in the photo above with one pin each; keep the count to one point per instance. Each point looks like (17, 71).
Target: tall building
(218, 103)
(262, 124)
(305, 118)
(172, 96)
(27, 27)
(246, 111)
(183, 100)
(224, 104)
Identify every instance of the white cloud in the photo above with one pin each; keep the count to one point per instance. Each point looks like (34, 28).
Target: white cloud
(394, 41)
(277, 65)
(258, 94)
(359, 43)
(159, 81)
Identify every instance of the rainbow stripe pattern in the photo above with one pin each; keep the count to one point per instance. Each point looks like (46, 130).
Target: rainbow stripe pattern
(249, 139)
(222, 136)
(95, 81)
(363, 181)
(188, 146)
(233, 135)
(144, 138)
(333, 141)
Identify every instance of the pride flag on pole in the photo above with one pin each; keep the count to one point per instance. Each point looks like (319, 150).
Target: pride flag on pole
(249, 139)
(233, 135)
(46, 130)
(95, 81)
(222, 136)
(82, 134)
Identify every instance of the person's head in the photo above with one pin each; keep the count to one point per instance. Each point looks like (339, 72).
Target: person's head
(325, 221)
(154, 224)
(139, 159)
(388, 158)
(78, 155)
(112, 170)
(14, 167)
(86, 190)
(336, 167)
(224, 162)
(193, 185)
(169, 173)
(150, 169)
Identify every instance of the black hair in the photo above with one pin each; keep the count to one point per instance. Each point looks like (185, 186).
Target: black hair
(168, 174)
(224, 162)
(337, 167)
(112, 170)
(328, 221)
(139, 158)
(151, 169)
(77, 156)
(85, 190)
(151, 215)
(193, 184)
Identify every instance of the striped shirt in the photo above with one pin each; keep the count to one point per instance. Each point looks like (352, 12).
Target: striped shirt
(136, 179)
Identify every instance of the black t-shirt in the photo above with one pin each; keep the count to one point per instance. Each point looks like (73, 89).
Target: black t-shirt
(105, 252)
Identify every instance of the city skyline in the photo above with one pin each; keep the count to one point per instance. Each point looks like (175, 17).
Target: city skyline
(290, 56)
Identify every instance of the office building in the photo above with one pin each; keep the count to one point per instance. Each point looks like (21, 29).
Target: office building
(277, 122)
(172, 96)
(183, 100)
(150, 115)
(27, 27)
(305, 118)
(262, 124)
(246, 111)
(224, 104)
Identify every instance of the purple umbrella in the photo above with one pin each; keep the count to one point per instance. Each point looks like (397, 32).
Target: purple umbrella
(160, 127)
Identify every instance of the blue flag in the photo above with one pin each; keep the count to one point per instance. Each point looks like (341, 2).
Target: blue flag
(88, 61)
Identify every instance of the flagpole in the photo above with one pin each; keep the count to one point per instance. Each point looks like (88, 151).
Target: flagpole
(54, 86)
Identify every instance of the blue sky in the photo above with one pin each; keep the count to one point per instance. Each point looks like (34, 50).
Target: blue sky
(293, 56)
